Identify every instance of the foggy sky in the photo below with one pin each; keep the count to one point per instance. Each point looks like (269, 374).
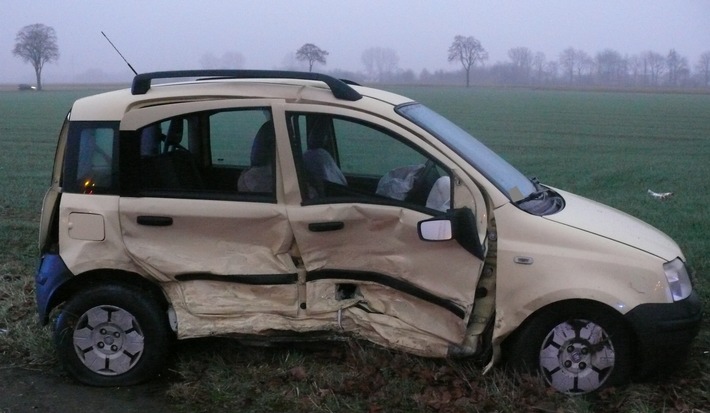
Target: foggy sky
(175, 34)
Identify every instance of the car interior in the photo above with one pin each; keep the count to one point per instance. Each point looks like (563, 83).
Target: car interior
(337, 159)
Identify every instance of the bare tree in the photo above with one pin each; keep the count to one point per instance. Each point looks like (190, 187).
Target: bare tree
(36, 44)
(585, 67)
(538, 66)
(703, 67)
(311, 54)
(522, 60)
(569, 62)
(379, 62)
(468, 51)
(677, 66)
(611, 67)
(576, 63)
(552, 69)
(654, 64)
(634, 66)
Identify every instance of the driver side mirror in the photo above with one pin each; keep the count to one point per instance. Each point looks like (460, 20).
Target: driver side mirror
(458, 224)
(437, 229)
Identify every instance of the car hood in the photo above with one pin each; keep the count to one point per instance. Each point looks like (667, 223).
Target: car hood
(607, 222)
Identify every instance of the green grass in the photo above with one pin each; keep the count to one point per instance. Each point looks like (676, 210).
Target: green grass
(607, 146)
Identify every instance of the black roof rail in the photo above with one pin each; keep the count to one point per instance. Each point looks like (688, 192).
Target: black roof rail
(340, 89)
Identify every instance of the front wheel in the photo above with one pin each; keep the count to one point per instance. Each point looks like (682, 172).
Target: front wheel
(112, 335)
(576, 349)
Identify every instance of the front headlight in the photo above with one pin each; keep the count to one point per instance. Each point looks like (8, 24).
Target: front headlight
(678, 279)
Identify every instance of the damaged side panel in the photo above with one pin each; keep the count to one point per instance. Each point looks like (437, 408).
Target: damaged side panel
(381, 281)
(228, 298)
(224, 260)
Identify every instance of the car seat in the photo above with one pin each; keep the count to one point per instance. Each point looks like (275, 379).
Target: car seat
(172, 168)
(319, 163)
(259, 177)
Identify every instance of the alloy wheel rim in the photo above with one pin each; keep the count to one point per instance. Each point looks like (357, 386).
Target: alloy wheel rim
(577, 357)
(108, 340)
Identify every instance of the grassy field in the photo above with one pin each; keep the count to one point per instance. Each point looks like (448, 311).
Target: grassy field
(608, 146)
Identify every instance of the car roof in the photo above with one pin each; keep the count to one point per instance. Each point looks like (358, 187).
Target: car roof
(312, 88)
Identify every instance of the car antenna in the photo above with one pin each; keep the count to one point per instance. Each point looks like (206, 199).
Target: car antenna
(119, 53)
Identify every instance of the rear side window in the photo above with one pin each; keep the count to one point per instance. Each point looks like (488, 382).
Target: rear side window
(224, 155)
(232, 135)
(91, 159)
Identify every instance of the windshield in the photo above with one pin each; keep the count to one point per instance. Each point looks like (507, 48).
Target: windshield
(502, 174)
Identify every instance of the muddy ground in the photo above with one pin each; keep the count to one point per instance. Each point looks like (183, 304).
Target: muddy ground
(25, 390)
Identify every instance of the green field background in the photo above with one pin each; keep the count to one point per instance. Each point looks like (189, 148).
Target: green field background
(608, 146)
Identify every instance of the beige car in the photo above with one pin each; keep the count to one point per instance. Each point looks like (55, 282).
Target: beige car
(287, 205)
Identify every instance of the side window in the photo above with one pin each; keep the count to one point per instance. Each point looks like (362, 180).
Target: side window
(346, 160)
(169, 155)
(232, 135)
(90, 164)
(370, 152)
(211, 155)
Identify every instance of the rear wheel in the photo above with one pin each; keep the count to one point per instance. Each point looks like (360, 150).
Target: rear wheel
(576, 349)
(112, 335)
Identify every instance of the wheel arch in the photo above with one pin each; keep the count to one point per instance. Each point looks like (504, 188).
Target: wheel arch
(96, 277)
(520, 347)
(571, 306)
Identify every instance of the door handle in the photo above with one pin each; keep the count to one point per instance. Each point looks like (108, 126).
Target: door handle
(326, 226)
(154, 221)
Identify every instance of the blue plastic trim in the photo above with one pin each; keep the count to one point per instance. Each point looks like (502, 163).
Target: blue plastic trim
(51, 274)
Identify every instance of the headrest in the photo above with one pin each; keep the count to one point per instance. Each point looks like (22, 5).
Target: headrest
(175, 129)
(262, 149)
(318, 134)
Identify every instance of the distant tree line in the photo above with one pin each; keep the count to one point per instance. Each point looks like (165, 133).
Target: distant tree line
(605, 68)
(37, 45)
(573, 67)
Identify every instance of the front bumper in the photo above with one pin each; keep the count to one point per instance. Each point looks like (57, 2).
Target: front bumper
(664, 333)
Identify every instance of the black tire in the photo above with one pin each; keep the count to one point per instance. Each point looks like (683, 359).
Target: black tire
(112, 335)
(576, 348)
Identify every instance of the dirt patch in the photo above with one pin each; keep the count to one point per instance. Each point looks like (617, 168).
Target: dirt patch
(25, 390)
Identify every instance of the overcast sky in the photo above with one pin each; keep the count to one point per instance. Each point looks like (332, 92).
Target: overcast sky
(175, 34)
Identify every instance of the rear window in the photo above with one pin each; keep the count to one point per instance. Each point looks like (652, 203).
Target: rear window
(91, 159)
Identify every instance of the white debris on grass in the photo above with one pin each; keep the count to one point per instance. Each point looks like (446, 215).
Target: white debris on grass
(660, 195)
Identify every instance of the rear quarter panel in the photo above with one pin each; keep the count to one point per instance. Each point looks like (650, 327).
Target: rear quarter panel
(82, 255)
